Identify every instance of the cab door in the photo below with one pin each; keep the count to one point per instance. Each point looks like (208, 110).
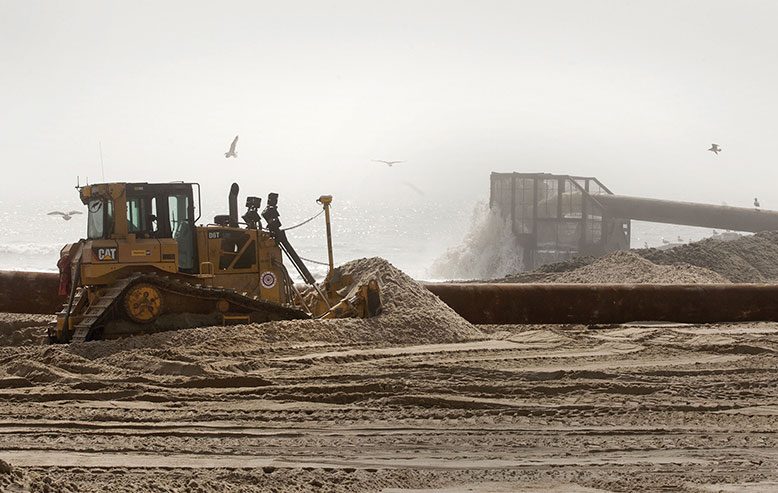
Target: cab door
(146, 247)
(181, 226)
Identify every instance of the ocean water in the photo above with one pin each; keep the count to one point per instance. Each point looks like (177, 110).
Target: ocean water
(428, 240)
(410, 236)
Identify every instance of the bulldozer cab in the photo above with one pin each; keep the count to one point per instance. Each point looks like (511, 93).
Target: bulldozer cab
(140, 212)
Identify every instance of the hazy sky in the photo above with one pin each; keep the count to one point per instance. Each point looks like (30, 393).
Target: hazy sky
(632, 92)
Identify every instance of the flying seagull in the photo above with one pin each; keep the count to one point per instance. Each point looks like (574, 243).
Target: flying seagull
(756, 202)
(66, 216)
(715, 149)
(388, 163)
(231, 152)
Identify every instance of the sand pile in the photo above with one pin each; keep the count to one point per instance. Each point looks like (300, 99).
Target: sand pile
(629, 267)
(748, 259)
(408, 307)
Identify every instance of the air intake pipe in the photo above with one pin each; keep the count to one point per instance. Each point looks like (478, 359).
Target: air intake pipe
(233, 199)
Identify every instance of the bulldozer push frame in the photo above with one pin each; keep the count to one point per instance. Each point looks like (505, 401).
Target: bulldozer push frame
(146, 266)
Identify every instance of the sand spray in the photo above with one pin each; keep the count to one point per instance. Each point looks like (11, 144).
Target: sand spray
(488, 251)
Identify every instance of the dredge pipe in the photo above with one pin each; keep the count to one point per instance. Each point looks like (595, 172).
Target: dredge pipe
(37, 292)
(688, 213)
(609, 303)
(30, 292)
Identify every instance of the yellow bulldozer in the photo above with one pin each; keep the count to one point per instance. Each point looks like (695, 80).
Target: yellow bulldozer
(147, 266)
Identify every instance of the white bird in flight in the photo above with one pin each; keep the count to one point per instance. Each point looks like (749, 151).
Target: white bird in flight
(388, 163)
(231, 152)
(715, 149)
(67, 216)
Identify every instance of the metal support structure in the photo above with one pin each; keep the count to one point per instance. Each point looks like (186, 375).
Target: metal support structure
(596, 221)
(325, 201)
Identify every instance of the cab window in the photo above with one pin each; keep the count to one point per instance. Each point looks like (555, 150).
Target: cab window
(134, 215)
(99, 219)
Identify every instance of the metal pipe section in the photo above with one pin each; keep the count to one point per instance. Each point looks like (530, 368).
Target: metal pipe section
(233, 205)
(37, 292)
(688, 213)
(30, 292)
(609, 303)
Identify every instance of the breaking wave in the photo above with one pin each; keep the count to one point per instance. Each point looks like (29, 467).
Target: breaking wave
(488, 251)
(30, 248)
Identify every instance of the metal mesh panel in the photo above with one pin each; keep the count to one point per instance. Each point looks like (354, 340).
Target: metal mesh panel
(548, 198)
(556, 215)
(502, 194)
(572, 201)
(594, 229)
(568, 235)
(546, 233)
(595, 188)
(525, 202)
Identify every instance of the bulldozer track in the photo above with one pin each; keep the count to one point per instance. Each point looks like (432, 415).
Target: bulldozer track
(100, 312)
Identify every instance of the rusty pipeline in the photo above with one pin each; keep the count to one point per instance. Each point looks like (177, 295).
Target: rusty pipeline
(30, 292)
(609, 303)
(503, 303)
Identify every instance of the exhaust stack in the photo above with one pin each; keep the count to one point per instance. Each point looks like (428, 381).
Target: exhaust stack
(233, 201)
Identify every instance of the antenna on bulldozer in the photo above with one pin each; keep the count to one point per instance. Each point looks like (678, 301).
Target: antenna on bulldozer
(102, 166)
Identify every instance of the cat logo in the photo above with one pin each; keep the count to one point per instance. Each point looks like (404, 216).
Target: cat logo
(105, 254)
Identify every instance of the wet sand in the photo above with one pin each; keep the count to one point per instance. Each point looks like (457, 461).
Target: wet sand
(393, 405)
